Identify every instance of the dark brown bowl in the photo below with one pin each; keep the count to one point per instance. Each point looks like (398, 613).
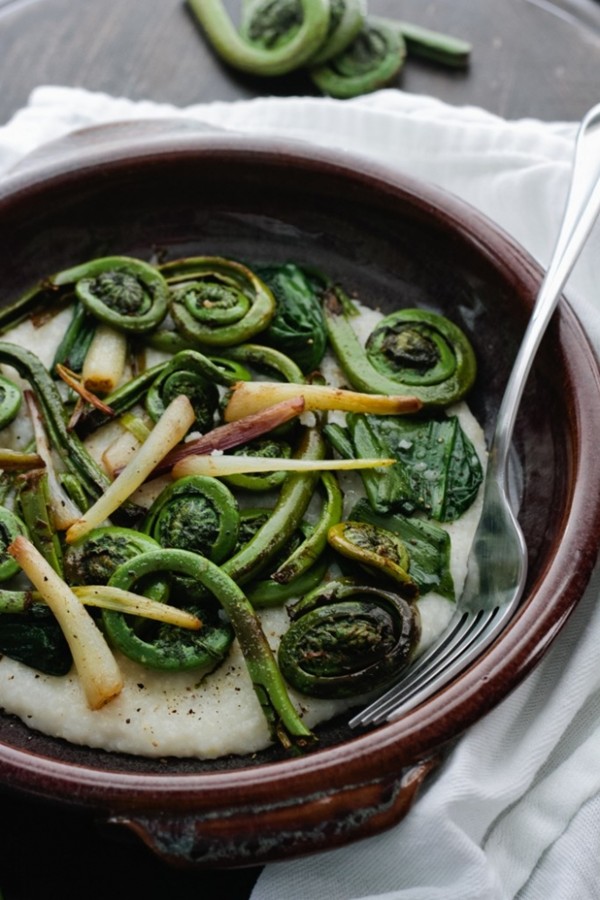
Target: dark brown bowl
(395, 242)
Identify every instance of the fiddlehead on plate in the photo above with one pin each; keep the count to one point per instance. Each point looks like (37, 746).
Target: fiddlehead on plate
(280, 714)
(266, 591)
(347, 638)
(94, 558)
(267, 360)
(217, 302)
(276, 36)
(195, 513)
(314, 544)
(72, 349)
(186, 374)
(345, 22)
(379, 550)
(424, 350)
(370, 62)
(286, 516)
(412, 351)
(125, 293)
(159, 645)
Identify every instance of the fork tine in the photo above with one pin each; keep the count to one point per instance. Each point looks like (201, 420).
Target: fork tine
(421, 665)
(459, 640)
(377, 710)
(474, 628)
(469, 636)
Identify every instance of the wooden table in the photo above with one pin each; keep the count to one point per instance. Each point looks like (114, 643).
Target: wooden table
(530, 58)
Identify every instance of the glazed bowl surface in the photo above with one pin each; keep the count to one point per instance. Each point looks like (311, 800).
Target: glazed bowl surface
(394, 242)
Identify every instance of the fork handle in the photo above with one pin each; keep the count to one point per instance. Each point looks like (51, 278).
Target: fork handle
(581, 211)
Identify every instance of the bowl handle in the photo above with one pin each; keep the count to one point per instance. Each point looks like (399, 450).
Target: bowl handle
(250, 836)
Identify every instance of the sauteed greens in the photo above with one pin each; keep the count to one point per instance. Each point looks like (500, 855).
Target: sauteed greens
(212, 439)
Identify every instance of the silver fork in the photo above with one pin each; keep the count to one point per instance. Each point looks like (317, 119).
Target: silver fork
(497, 565)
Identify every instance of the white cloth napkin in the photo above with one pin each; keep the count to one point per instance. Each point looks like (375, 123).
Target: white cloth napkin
(515, 811)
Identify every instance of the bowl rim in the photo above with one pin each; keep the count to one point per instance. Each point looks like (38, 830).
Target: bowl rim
(422, 732)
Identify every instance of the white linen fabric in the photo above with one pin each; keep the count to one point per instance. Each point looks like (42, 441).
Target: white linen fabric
(515, 810)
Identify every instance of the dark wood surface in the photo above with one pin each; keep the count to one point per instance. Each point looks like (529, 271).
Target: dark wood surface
(530, 58)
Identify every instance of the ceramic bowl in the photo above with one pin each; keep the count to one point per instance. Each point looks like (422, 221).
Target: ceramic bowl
(133, 189)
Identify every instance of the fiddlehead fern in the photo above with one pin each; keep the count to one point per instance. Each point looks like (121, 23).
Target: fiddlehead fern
(441, 48)
(183, 375)
(197, 514)
(347, 52)
(127, 294)
(370, 62)
(266, 359)
(312, 547)
(270, 23)
(34, 504)
(281, 716)
(278, 35)
(420, 352)
(346, 638)
(379, 550)
(190, 365)
(423, 349)
(94, 558)
(38, 299)
(266, 591)
(303, 563)
(345, 22)
(75, 343)
(162, 646)
(217, 302)
(429, 547)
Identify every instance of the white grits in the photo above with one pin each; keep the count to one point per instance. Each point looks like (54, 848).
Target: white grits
(160, 714)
